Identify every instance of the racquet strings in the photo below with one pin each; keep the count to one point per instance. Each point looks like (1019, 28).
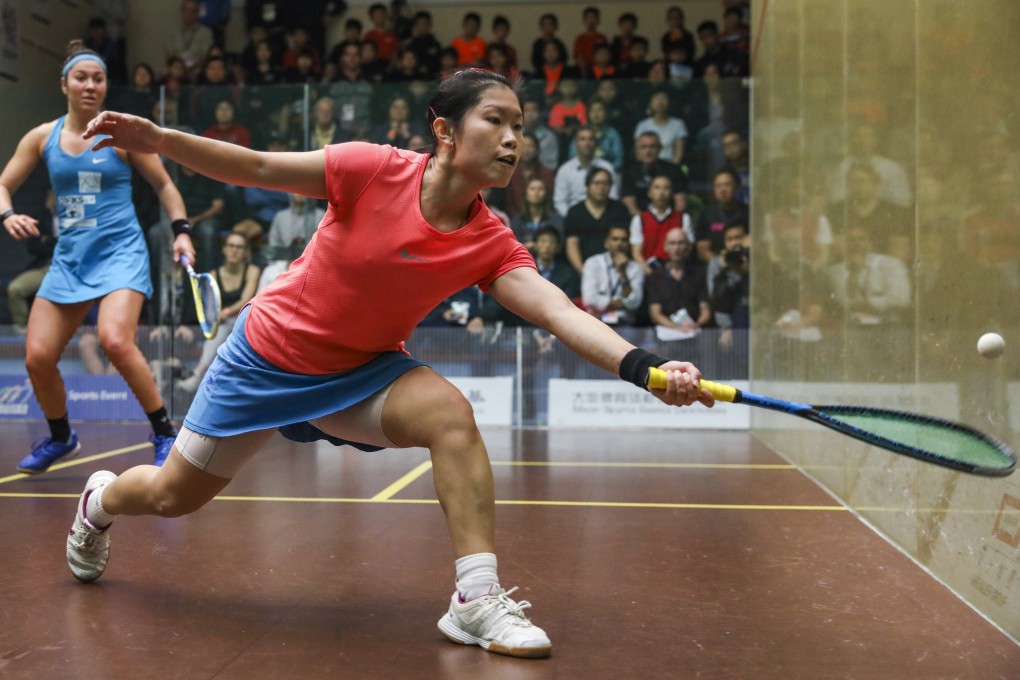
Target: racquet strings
(209, 298)
(930, 436)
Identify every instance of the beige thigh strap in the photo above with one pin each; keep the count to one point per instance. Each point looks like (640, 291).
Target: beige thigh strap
(220, 456)
(359, 423)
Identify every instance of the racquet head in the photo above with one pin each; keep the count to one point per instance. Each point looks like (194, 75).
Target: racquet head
(206, 294)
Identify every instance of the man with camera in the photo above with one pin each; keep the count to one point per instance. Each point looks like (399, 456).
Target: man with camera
(728, 289)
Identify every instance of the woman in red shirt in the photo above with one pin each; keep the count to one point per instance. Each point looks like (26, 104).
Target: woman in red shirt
(318, 354)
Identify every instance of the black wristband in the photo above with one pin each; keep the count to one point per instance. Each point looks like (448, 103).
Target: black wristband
(635, 365)
(5, 214)
(181, 227)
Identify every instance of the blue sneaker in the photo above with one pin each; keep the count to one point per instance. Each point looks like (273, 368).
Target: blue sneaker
(163, 444)
(47, 452)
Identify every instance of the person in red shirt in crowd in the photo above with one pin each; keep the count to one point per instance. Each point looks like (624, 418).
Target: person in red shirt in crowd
(602, 63)
(227, 129)
(289, 366)
(385, 40)
(585, 42)
(548, 24)
(570, 113)
(470, 46)
(554, 70)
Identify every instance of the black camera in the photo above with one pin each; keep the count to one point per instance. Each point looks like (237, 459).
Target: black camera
(737, 256)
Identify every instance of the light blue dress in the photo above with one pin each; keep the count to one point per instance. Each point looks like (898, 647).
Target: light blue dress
(100, 246)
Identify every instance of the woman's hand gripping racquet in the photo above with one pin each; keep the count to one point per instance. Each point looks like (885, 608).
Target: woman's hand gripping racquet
(932, 440)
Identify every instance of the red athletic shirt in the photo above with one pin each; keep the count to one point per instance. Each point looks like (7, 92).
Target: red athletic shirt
(374, 268)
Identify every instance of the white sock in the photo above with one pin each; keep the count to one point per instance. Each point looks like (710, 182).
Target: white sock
(94, 512)
(476, 575)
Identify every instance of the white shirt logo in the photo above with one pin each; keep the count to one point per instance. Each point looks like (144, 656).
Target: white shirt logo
(97, 161)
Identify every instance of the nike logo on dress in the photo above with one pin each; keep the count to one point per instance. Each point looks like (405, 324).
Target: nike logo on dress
(407, 256)
(97, 161)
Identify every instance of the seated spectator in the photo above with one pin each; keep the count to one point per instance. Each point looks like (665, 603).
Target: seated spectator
(569, 113)
(265, 68)
(500, 32)
(894, 182)
(325, 127)
(570, 186)
(612, 284)
(373, 68)
(602, 65)
(406, 68)
(238, 280)
(678, 293)
(190, 40)
(381, 34)
(22, 288)
(729, 279)
(648, 229)
(304, 70)
(528, 168)
(619, 113)
(398, 129)
(551, 263)
(174, 77)
(112, 49)
(678, 65)
(989, 233)
(608, 143)
(891, 225)
(548, 24)
(299, 44)
(672, 131)
(638, 175)
(790, 211)
(871, 288)
(622, 41)
(537, 214)
(448, 62)
(469, 45)
(637, 64)
(587, 222)
(736, 34)
(497, 60)
(257, 35)
(730, 63)
(723, 209)
(226, 128)
(548, 142)
(677, 33)
(140, 94)
(456, 310)
(586, 40)
(353, 94)
(214, 86)
(291, 230)
(553, 70)
(738, 161)
(424, 44)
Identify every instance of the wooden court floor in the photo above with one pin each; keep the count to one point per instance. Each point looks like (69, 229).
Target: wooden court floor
(645, 555)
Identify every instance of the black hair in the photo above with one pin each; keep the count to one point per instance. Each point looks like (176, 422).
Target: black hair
(627, 16)
(551, 17)
(591, 10)
(708, 26)
(354, 23)
(734, 10)
(473, 15)
(500, 20)
(549, 231)
(422, 14)
(459, 92)
(377, 6)
(594, 171)
(639, 40)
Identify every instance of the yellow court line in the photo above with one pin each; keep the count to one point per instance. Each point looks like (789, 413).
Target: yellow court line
(404, 481)
(548, 503)
(79, 461)
(722, 466)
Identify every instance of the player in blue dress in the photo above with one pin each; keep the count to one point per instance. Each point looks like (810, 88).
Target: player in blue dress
(101, 255)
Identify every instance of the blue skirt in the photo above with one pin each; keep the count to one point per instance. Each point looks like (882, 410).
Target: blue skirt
(242, 392)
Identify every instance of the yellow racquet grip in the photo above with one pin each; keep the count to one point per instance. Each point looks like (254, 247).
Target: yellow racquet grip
(657, 381)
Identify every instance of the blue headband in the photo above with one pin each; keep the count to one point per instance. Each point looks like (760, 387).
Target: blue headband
(80, 58)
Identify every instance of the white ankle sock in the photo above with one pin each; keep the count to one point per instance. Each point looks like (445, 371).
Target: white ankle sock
(94, 512)
(476, 575)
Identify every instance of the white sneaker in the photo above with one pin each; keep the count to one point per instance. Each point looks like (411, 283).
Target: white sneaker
(495, 623)
(88, 548)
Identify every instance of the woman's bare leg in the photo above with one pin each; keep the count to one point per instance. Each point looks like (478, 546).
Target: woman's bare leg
(50, 328)
(424, 409)
(118, 328)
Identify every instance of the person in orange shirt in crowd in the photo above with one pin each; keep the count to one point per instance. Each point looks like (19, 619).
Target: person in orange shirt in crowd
(585, 42)
(677, 34)
(470, 47)
(500, 31)
(385, 40)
